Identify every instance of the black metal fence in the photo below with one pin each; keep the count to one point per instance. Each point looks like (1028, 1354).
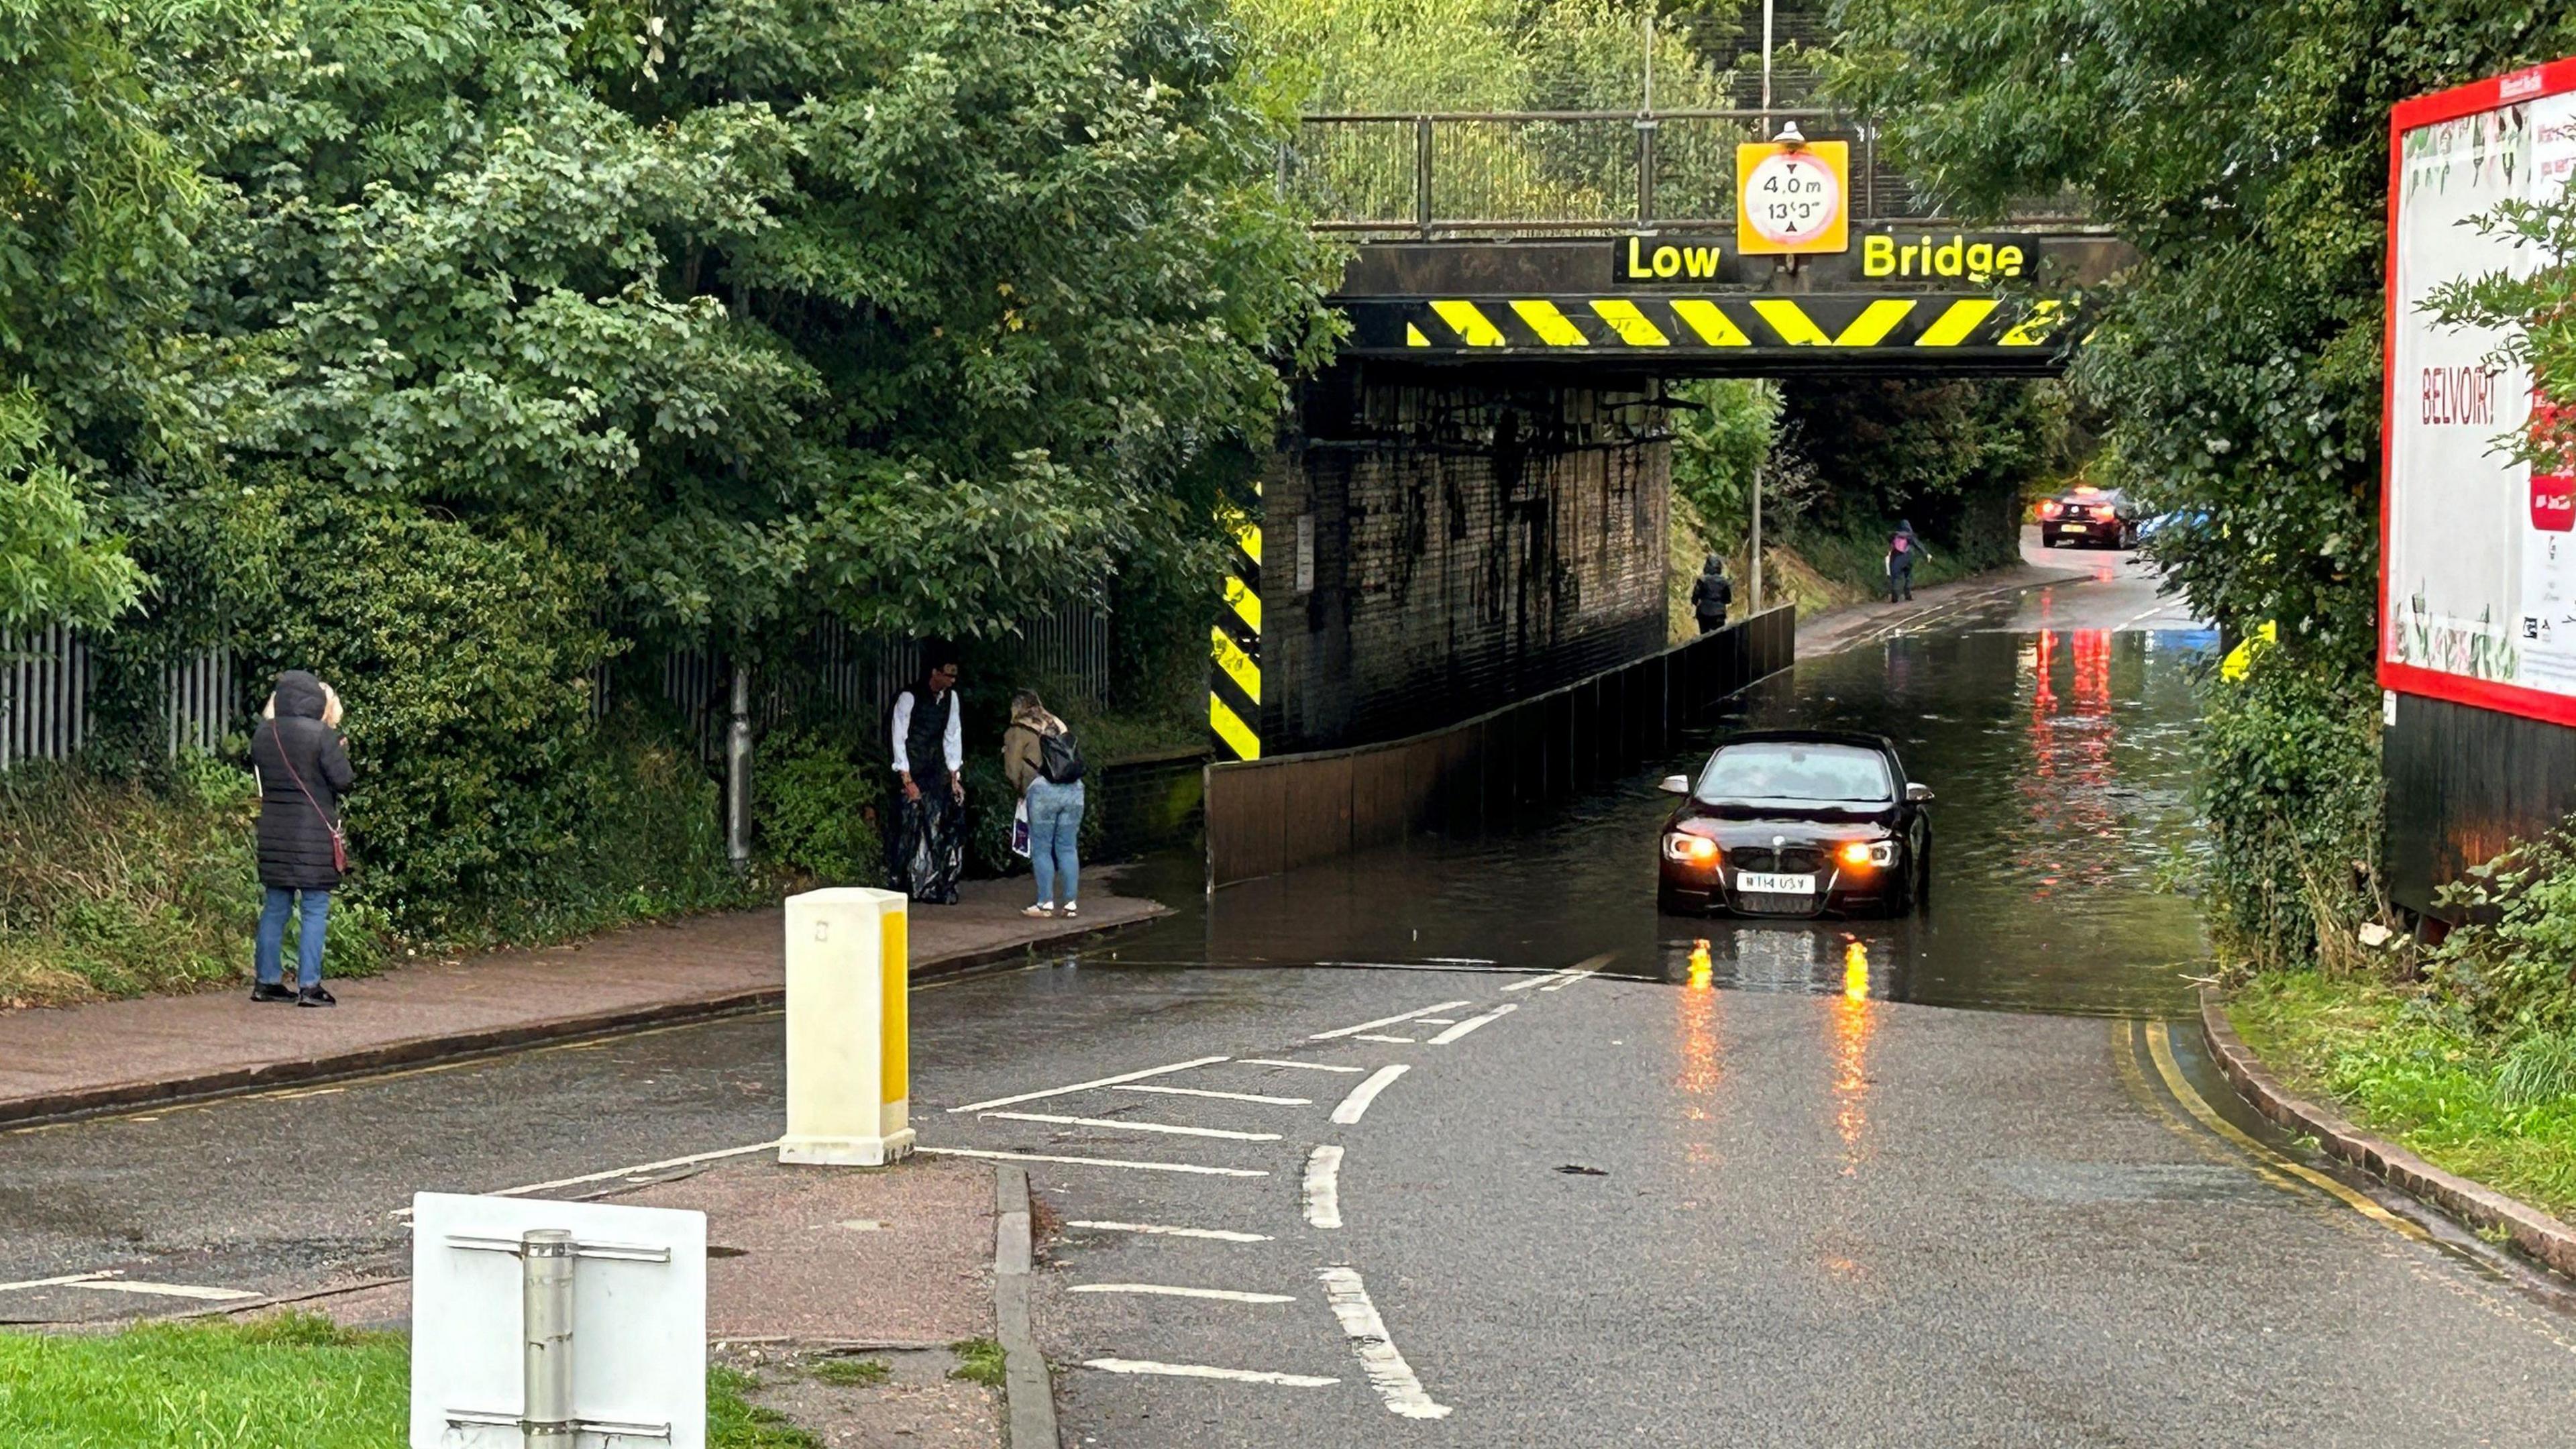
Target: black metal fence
(1570, 172)
(1266, 816)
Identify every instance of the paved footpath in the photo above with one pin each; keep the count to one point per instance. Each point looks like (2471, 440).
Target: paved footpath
(122, 1053)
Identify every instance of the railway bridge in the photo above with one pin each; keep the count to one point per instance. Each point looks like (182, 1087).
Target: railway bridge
(1470, 505)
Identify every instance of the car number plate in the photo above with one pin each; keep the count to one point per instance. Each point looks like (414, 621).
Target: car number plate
(1776, 885)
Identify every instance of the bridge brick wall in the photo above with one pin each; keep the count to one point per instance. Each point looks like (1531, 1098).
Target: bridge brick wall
(1469, 544)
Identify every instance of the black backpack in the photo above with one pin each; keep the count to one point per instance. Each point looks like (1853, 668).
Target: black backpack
(1060, 757)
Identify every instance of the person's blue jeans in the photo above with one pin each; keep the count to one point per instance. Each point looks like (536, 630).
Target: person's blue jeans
(1055, 824)
(308, 943)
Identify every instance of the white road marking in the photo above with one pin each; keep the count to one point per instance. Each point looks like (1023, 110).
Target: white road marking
(1366, 1092)
(1384, 1021)
(1473, 1022)
(1431, 1021)
(1095, 1162)
(1204, 1371)
(1087, 1086)
(640, 1169)
(1137, 1126)
(1226, 1096)
(1301, 1066)
(1387, 1371)
(1221, 1235)
(1324, 1187)
(1393, 1040)
(1558, 980)
(1168, 1290)
(63, 1281)
(163, 1290)
(1463, 960)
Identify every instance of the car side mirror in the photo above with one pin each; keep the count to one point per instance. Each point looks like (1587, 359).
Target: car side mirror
(1675, 785)
(1918, 794)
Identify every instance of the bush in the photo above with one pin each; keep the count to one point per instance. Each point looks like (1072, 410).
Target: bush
(2289, 781)
(818, 797)
(2507, 968)
(148, 882)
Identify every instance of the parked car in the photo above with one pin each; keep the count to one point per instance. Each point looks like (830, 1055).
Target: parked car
(1797, 823)
(2103, 517)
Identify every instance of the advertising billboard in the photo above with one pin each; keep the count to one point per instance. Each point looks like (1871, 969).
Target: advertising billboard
(2478, 554)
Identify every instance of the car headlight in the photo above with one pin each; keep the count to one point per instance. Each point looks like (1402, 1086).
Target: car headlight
(1696, 849)
(1859, 854)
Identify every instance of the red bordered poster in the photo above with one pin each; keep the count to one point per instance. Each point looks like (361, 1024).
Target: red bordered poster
(2477, 575)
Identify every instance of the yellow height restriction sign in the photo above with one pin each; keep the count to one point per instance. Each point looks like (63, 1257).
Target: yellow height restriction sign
(1792, 200)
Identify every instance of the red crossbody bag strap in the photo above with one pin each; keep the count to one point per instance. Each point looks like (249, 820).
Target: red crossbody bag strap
(339, 845)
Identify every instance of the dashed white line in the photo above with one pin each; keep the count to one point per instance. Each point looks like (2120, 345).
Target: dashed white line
(1170, 1290)
(1568, 979)
(1366, 1092)
(1384, 1021)
(163, 1290)
(1395, 1040)
(1473, 1022)
(1096, 1162)
(1226, 1096)
(1324, 1187)
(1162, 1230)
(1137, 1126)
(1301, 1066)
(1087, 1086)
(1559, 980)
(638, 1170)
(1206, 1371)
(1387, 1371)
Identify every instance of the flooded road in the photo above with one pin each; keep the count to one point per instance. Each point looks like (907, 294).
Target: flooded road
(1466, 1144)
(2063, 831)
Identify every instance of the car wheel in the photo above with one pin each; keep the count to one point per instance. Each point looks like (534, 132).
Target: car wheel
(1921, 895)
(2047, 542)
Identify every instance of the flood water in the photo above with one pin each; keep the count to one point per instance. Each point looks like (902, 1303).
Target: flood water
(2063, 829)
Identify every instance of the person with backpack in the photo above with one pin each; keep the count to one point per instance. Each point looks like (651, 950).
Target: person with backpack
(1044, 763)
(303, 770)
(1710, 594)
(1902, 550)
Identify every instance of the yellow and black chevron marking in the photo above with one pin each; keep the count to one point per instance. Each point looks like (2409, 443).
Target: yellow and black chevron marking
(1653, 320)
(1234, 658)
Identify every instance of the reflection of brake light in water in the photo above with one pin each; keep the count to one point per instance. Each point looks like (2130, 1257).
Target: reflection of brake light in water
(2071, 770)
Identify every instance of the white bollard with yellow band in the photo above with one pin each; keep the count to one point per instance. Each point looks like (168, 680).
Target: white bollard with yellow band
(849, 1064)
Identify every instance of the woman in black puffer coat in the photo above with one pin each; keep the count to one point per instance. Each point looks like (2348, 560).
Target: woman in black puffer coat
(303, 771)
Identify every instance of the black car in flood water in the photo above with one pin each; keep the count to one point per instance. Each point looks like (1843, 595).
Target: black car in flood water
(1797, 823)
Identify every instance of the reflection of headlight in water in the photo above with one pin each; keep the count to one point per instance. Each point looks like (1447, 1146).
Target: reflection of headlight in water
(1856, 971)
(1699, 966)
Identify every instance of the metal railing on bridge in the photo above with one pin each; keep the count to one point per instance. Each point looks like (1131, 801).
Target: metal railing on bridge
(1506, 173)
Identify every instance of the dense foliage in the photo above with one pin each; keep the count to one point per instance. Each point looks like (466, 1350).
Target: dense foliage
(456, 350)
(2242, 147)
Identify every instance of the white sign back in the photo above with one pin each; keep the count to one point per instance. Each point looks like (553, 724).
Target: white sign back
(639, 1326)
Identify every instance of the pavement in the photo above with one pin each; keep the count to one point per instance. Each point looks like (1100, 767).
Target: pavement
(118, 1053)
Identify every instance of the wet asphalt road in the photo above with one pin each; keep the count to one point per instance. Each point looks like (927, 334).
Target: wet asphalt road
(1942, 1181)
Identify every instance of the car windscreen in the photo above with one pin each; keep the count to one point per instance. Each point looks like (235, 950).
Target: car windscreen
(1788, 770)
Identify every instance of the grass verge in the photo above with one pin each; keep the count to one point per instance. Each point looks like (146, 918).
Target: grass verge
(2404, 1075)
(293, 1382)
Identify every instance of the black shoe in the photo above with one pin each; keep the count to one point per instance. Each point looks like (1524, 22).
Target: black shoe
(315, 996)
(270, 991)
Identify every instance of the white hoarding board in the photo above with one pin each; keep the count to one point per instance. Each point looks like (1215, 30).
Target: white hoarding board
(2478, 565)
(639, 1326)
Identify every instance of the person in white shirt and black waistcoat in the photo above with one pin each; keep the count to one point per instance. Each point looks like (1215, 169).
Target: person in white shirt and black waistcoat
(928, 847)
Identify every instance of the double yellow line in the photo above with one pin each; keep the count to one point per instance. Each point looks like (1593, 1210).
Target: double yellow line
(2272, 1166)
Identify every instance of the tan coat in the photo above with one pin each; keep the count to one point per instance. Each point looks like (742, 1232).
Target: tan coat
(1020, 754)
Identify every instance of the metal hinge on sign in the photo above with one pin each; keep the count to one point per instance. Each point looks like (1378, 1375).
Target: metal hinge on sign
(477, 1419)
(612, 1252)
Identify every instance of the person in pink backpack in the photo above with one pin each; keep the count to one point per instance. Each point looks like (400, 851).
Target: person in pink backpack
(1903, 548)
